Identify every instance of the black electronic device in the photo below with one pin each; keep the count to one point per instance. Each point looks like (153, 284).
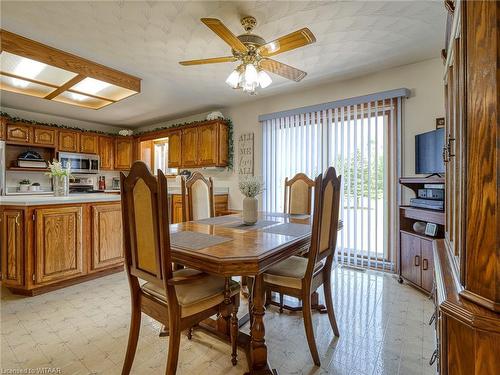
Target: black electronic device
(437, 194)
(429, 152)
(431, 204)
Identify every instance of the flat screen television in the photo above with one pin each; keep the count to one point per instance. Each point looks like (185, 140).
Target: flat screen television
(429, 152)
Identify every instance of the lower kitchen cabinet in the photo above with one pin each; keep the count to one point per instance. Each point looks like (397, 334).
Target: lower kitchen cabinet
(220, 203)
(12, 242)
(107, 243)
(58, 243)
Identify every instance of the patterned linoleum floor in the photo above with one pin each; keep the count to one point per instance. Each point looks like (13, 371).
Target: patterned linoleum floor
(83, 329)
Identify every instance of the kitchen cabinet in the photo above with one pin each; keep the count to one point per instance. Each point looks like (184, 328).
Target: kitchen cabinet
(189, 147)
(207, 148)
(12, 242)
(123, 153)
(3, 122)
(417, 264)
(89, 143)
(107, 244)
(174, 149)
(106, 152)
(18, 133)
(220, 203)
(44, 136)
(69, 141)
(58, 243)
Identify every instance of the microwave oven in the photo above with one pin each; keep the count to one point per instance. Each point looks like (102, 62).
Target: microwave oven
(80, 163)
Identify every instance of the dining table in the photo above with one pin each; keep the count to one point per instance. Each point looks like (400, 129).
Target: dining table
(225, 246)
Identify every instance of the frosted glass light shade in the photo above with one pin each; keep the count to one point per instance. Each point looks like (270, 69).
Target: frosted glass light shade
(251, 75)
(233, 79)
(264, 79)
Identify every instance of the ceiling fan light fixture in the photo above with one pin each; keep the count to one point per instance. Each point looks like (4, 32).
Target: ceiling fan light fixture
(233, 79)
(264, 79)
(251, 74)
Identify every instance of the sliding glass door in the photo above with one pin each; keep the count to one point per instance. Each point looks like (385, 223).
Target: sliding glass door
(360, 141)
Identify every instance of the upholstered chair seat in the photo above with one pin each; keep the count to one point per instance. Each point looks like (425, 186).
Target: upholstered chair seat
(290, 272)
(197, 295)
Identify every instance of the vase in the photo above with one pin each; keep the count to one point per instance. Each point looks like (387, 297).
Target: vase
(250, 210)
(61, 186)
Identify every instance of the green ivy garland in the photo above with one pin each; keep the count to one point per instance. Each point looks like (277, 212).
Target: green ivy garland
(229, 123)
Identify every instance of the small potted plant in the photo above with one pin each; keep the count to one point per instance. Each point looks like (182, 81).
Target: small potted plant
(250, 187)
(60, 177)
(24, 185)
(35, 186)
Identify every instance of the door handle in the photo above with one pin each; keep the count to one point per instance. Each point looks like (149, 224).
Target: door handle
(425, 264)
(417, 260)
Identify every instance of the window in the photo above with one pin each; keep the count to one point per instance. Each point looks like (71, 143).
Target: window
(161, 156)
(360, 139)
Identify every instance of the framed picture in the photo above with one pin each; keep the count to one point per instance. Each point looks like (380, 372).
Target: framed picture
(431, 229)
(440, 122)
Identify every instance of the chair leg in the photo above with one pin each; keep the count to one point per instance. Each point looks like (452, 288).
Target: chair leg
(173, 347)
(234, 331)
(133, 337)
(327, 287)
(281, 302)
(306, 310)
(190, 333)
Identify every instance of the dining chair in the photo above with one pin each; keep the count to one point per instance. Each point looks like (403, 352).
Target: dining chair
(177, 299)
(298, 194)
(300, 277)
(197, 197)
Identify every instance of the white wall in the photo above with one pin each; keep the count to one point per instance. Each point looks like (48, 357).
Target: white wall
(426, 103)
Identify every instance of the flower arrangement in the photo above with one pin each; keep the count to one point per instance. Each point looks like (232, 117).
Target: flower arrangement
(57, 170)
(251, 186)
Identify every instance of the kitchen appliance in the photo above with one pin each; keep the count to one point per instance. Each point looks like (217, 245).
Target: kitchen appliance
(79, 185)
(80, 163)
(2, 168)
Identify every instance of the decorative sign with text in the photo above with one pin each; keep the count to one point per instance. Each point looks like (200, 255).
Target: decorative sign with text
(245, 152)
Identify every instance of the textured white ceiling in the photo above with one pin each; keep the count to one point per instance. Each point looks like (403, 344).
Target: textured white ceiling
(148, 38)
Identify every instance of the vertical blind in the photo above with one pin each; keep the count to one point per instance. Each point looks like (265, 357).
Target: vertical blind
(360, 137)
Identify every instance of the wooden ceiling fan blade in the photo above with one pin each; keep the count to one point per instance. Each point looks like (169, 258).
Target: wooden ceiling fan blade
(283, 70)
(224, 33)
(297, 39)
(213, 60)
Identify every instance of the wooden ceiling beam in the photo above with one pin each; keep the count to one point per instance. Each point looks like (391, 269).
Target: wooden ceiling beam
(73, 81)
(31, 49)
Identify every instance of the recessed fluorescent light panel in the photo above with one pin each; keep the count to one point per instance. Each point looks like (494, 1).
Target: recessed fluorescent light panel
(31, 68)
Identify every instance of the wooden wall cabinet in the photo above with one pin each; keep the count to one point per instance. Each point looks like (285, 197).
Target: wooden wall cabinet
(18, 133)
(12, 242)
(3, 124)
(189, 148)
(174, 149)
(207, 145)
(69, 141)
(123, 153)
(58, 243)
(107, 152)
(89, 143)
(107, 244)
(45, 136)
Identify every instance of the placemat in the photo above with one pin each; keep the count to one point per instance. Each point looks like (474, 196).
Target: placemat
(291, 216)
(218, 220)
(258, 225)
(195, 240)
(290, 229)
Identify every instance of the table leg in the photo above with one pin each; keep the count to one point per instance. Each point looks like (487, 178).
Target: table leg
(258, 348)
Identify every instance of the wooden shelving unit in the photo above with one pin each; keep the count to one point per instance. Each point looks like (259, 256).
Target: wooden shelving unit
(26, 169)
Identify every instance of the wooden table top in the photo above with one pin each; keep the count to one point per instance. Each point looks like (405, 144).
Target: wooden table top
(250, 252)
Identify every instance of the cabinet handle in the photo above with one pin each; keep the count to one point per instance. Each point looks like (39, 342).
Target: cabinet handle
(425, 264)
(445, 155)
(417, 260)
(433, 317)
(450, 154)
(433, 357)
(17, 219)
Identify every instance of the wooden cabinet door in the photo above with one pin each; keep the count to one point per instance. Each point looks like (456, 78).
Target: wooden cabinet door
(18, 133)
(189, 147)
(69, 141)
(176, 214)
(107, 152)
(107, 244)
(410, 258)
(12, 242)
(3, 124)
(123, 153)
(207, 145)
(44, 136)
(427, 264)
(174, 149)
(58, 244)
(223, 144)
(89, 143)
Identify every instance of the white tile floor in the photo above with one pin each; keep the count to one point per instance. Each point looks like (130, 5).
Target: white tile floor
(83, 329)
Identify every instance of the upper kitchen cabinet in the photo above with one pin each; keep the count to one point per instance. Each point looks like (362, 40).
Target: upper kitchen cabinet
(69, 141)
(123, 153)
(3, 122)
(45, 136)
(189, 147)
(89, 143)
(174, 149)
(18, 133)
(107, 152)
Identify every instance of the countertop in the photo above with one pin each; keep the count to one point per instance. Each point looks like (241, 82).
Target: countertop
(33, 200)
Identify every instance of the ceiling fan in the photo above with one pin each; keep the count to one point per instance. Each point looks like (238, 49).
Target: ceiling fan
(254, 54)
